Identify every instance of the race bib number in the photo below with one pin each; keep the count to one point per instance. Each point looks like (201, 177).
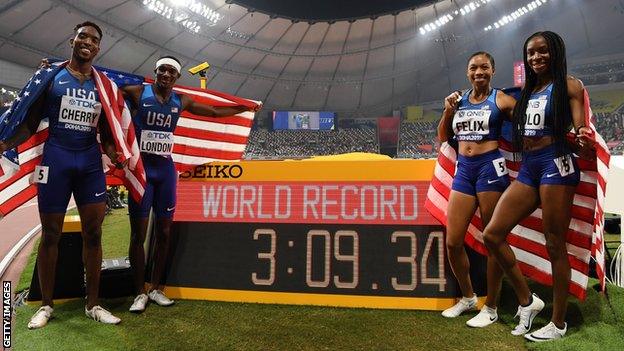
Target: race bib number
(535, 116)
(564, 165)
(41, 174)
(500, 166)
(79, 114)
(158, 143)
(471, 124)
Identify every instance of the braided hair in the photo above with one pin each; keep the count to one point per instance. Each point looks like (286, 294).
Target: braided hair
(562, 117)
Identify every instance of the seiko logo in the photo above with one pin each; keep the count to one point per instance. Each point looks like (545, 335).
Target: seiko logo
(214, 171)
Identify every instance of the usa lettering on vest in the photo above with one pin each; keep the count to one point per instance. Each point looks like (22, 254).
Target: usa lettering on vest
(158, 119)
(471, 124)
(155, 142)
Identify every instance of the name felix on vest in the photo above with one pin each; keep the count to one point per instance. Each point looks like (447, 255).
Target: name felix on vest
(471, 125)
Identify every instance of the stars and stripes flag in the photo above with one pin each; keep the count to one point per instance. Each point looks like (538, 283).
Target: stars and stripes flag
(585, 233)
(197, 139)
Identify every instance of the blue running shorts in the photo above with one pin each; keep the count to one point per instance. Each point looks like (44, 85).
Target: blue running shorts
(544, 167)
(63, 172)
(160, 190)
(485, 172)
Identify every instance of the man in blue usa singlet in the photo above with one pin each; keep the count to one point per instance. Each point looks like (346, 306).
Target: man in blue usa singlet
(71, 164)
(156, 109)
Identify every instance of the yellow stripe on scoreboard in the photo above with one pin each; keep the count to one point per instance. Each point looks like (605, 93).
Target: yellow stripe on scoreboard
(286, 298)
(349, 167)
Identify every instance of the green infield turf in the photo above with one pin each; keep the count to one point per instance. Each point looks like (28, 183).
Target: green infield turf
(595, 324)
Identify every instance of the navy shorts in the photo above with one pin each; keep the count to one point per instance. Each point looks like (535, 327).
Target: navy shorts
(544, 167)
(160, 190)
(63, 172)
(485, 172)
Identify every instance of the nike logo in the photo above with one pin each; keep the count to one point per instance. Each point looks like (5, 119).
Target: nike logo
(63, 82)
(169, 209)
(492, 319)
(146, 105)
(100, 194)
(551, 175)
(492, 181)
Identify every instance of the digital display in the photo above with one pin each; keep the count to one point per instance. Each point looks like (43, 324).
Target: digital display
(331, 259)
(294, 120)
(351, 233)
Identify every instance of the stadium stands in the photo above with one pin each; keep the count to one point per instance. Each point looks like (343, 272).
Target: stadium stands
(417, 140)
(305, 143)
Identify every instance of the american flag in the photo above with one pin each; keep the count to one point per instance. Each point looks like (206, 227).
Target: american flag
(585, 233)
(198, 139)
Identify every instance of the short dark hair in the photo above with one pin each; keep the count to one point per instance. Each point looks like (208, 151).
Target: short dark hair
(486, 54)
(89, 24)
(171, 57)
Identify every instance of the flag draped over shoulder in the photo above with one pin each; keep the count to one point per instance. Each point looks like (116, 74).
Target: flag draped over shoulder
(18, 165)
(585, 233)
(198, 140)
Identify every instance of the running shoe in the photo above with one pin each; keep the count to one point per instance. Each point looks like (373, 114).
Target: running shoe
(139, 303)
(41, 317)
(463, 305)
(486, 316)
(99, 314)
(547, 332)
(160, 298)
(527, 314)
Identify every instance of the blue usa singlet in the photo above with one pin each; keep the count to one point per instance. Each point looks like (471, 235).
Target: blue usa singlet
(72, 160)
(476, 122)
(73, 110)
(154, 124)
(539, 113)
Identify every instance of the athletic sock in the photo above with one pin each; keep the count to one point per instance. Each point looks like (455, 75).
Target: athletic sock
(530, 301)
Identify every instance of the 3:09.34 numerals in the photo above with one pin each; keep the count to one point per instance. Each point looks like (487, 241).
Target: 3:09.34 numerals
(326, 250)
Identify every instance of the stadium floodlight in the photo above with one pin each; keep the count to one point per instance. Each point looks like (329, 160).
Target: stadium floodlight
(514, 15)
(448, 17)
(190, 14)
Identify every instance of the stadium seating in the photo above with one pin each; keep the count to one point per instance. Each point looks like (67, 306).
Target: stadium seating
(264, 144)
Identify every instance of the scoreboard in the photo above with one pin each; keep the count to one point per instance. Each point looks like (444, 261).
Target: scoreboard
(334, 232)
(314, 120)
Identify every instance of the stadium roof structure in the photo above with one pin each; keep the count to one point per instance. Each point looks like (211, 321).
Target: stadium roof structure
(314, 11)
(360, 67)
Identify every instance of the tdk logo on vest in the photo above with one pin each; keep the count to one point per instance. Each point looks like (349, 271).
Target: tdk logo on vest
(83, 103)
(159, 135)
(158, 119)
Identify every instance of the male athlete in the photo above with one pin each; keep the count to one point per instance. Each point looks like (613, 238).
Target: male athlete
(71, 164)
(156, 109)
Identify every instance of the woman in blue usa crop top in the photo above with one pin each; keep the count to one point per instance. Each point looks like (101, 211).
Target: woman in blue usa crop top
(550, 104)
(474, 119)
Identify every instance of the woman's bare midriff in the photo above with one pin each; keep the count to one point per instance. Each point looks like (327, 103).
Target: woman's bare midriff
(474, 148)
(532, 144)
